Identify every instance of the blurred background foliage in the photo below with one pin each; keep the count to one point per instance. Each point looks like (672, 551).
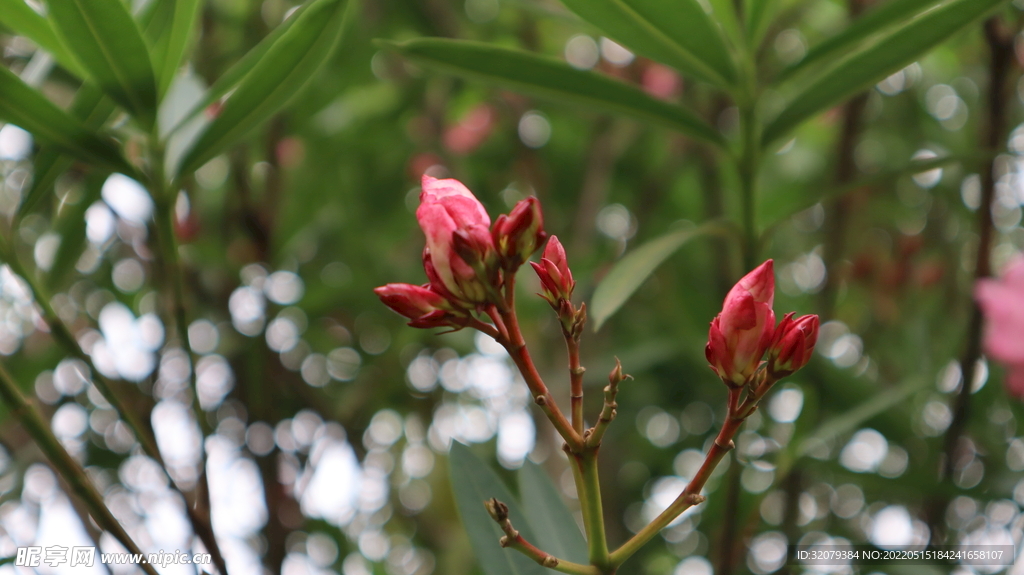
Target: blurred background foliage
(327, 421)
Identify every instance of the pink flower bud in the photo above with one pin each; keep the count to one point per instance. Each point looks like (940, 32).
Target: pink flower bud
(1002, 303)
(447, 207)
(520, 233)
(740, 334)
(792, 344)
(554, 274)
(417, 303)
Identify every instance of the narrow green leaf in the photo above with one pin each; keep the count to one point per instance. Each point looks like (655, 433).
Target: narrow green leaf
(759, 16)
(23, 20)
(775, 207)
(851, 419)
(70, 224)
(635, 267)
(24, 107)
(279, 75)
(473, 482)
(547, 77)
(92, 109)
(678, 33)
(239, 70)
(183, 28)
(866, 67)
(876, 20)
(107, 42)
(549, 518)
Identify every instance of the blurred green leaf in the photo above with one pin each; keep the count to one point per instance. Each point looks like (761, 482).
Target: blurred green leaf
(473, 482)
(849, 420)
(864, 68)
(24, 107)
(229, 79)
(635, 267)
(280, 74)
(22, 19)
(877, 19)
(759, 17)
(678, 33)
(776, 207)
(183, 28)
(107, 42)
(546, 513)
(92, 109)
(70, 225)
(553, 79)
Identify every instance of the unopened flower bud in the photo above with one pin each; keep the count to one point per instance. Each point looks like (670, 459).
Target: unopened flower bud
(554, 274)
(740, 334)
(447, 210)
(519, 234)
(421, 304)
(792, 344)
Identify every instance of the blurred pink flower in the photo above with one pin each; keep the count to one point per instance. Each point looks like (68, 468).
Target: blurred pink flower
(471, 131)
(1002, 302)
(661, 81)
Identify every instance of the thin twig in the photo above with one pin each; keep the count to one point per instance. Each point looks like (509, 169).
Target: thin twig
(514, 540)
(66, 465)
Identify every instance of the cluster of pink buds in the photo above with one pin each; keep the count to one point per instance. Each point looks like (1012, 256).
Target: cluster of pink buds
(1002, 302)
(745, 331)
(466, 259)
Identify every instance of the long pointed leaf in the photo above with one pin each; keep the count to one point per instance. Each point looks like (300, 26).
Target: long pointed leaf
(552, 522)
(239, 70)
(677, 33)
(107, 42)
(788, 202)
(473, 482)
(280, 74)
(870, 65)
(183, 28)
(551, 78)
(876, 20)
(23, 106)
(635, 267)
(18, 16)
(92, 109)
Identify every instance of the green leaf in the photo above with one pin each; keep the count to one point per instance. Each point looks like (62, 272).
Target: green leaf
(678, 33)
(239, 70)
(549, 518)
(868, 66)
(876, 20)
(23, 20)
(107, 42)
(473, 482)
(286, 67)
(635, 267)
(183, 28)
(852, 418)
(550, 78)
(24, 107)
(782, 204)
(70, 224)
(92, 109)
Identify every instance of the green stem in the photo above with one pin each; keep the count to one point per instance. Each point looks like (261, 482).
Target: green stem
(60, 332)
(66, 465)
(748, 166)
(597, 541)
